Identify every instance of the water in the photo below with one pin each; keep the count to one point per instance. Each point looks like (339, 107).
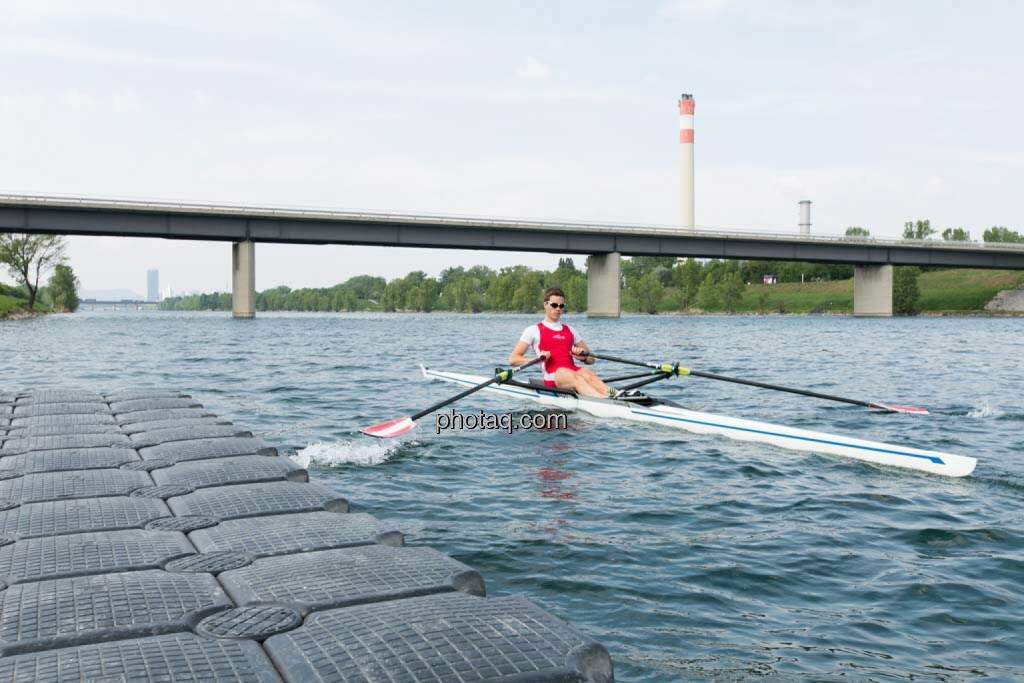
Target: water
(690, 557)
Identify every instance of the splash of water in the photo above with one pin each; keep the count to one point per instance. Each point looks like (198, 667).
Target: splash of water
(984, 410)
(345, 453)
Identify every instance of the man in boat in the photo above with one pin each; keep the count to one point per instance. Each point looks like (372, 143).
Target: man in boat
(561, 348)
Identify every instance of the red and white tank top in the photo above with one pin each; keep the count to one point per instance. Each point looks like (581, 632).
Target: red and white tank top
(558, 340)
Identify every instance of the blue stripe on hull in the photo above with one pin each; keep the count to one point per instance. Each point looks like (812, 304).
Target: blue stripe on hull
(935, 459)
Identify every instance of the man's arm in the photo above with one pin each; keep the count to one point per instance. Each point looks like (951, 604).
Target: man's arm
(518, 356)
(528, 339)
(581, 352)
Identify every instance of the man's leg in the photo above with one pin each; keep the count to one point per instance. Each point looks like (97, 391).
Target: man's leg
(567, 379)
(591, 378)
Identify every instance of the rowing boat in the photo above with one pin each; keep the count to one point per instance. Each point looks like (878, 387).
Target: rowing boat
(642, 408)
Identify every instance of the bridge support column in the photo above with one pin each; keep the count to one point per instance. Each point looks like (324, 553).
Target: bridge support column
(872, 291)
(603, 285)
(243, 279)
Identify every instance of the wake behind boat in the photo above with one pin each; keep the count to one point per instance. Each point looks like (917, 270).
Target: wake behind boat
(641, 408)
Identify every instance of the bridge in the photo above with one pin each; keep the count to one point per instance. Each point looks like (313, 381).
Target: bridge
(127, 303)
(603, 243)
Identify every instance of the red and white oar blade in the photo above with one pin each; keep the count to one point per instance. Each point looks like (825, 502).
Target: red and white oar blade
(913, 410)
(390, 429)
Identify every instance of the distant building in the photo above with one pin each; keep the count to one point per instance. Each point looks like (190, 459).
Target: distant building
(166, 293)
(153, 285)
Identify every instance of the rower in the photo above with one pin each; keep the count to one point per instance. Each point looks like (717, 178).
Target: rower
(561, 348)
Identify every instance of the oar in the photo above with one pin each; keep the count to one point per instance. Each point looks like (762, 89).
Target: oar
(401, 425)
(680, 370)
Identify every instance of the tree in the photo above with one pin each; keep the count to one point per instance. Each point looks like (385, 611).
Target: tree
(905, 294)
(29, 257)
(635, 268)
(732, 291)
(709, 295)
(956, 235)
(393, 296)
(688, 278)
(648, 291)
(575, 287)
(998, 233)
(63, 289)
(524, 298)
(918, 230)
(426, 295)
(857, 231)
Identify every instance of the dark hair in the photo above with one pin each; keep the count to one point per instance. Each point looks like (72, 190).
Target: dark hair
(553, 291)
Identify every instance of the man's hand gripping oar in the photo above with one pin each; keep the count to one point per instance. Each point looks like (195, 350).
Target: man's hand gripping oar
(676, 369)
(401, 425)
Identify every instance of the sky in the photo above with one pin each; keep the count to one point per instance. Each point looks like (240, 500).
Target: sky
(877, 112)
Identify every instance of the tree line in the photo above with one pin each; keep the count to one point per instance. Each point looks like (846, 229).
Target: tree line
(922, 229)
(649, 284)
(470, 290)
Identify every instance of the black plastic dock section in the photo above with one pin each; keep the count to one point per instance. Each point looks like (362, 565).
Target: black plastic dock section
(144, 538)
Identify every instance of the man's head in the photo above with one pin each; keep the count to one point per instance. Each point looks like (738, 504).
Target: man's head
(554, 303)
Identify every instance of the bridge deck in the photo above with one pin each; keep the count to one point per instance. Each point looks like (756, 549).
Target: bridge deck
(142, 537)
(182, 220)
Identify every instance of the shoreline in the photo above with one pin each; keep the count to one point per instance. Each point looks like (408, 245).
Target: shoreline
(20, 315)
(973, 313)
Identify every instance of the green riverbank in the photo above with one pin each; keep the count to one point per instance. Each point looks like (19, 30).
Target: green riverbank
(941, 291)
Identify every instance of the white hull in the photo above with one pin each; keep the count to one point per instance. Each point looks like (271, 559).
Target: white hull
(791, 438)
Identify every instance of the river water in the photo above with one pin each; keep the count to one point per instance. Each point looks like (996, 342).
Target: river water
(690, 557)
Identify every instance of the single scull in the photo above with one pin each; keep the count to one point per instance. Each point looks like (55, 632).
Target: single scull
(667, 413)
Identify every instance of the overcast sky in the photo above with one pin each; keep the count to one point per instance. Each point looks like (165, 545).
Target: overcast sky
(877, 112)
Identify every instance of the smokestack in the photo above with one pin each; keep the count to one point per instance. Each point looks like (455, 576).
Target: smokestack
(805, 217)
(686, 105)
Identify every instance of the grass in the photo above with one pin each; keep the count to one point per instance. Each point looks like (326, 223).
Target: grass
(954, 290)
(8, 305)
(963, 289)
(13, 304)
(798, 297)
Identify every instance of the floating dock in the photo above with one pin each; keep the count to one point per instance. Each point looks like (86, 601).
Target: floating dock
(144, 537)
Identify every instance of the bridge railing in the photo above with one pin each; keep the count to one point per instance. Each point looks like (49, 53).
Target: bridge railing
(470, 221)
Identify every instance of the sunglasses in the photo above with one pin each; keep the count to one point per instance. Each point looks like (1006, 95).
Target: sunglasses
(555, 305)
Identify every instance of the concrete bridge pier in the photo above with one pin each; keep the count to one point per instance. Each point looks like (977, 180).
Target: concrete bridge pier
(243, 279)
(872, 291)
(603, 278)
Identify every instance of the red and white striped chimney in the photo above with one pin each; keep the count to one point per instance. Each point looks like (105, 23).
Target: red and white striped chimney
(686, 106)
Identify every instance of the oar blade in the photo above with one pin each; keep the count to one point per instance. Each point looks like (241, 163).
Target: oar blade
(892, 408)
(390, 429)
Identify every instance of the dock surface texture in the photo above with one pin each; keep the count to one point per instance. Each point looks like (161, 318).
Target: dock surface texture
(144, 538)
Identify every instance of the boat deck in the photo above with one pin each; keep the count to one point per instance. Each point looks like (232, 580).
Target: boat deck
(143, 537)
